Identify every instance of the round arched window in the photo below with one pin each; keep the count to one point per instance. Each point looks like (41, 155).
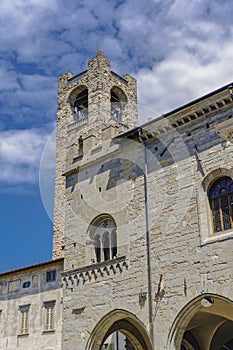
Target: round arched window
(103, 234)
(79, 103)
(118, 100)
(221, 204)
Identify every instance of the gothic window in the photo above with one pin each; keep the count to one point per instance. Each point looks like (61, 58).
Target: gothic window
(221, 204)
(118, 100)
(103, 234)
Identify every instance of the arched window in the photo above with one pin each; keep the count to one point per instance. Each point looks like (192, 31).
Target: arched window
(114, 243)
(221, 204)
(103, 234)
(106, 246)
(97, 246)
(79, 103)
(118, 100)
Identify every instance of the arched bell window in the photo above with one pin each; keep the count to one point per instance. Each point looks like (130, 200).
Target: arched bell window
(221, 204)
(118, 101)
(103, 234)
(79, 103)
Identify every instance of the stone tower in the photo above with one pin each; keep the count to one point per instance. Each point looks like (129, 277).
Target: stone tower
(93, 106)
(144, 218)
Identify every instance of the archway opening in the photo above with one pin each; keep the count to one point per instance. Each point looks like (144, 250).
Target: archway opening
(117, 341)
(119, 330)
(206, 323)
(79, 103)
(118, 101)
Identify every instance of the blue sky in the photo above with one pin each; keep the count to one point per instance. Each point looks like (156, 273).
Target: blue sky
(177, 49)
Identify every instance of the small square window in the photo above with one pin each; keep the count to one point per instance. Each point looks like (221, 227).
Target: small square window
(51, 276)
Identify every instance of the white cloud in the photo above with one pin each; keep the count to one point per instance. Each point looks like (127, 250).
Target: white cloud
(180, 78)
(20, 153)
(177, 49)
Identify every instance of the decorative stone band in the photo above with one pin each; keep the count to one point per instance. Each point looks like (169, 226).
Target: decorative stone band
(195, 111)
(82, 275)
(206, 107)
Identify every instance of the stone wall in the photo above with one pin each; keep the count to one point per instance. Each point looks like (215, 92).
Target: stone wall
(29, 288)
(183, 149)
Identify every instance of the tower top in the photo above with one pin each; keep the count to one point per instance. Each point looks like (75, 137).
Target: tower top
(100, 52)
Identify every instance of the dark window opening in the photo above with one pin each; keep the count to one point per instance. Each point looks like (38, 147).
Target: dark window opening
(26, 284)
(114, 244)
(51, 276)
(97, 249)
(80, 146)
(116, 108)
(81, 105)
(106, 247)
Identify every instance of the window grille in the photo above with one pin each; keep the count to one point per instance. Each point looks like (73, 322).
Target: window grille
(221, 204)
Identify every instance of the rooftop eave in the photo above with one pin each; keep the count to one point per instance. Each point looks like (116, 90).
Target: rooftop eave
(193, 112)
(225, 129)
(36, 266)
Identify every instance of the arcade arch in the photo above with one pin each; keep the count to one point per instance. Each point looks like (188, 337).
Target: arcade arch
(123, 322)
(206, 323)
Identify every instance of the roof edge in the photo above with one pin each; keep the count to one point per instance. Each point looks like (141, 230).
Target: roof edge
(50, 262)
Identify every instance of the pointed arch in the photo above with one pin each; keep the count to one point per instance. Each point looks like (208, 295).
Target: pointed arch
(123, 321)
(200, 322)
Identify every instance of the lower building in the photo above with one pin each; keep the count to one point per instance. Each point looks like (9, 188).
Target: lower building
(31, 307)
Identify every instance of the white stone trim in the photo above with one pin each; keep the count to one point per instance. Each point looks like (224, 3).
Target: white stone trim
(204, 213)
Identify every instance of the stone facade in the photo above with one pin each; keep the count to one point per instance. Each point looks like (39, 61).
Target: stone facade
(29, 291)
(146, 266)
(152, 182)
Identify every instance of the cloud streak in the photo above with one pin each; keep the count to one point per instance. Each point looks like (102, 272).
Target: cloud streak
(20, 153)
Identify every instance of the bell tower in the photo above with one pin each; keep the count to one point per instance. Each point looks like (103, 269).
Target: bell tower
(93, 106)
